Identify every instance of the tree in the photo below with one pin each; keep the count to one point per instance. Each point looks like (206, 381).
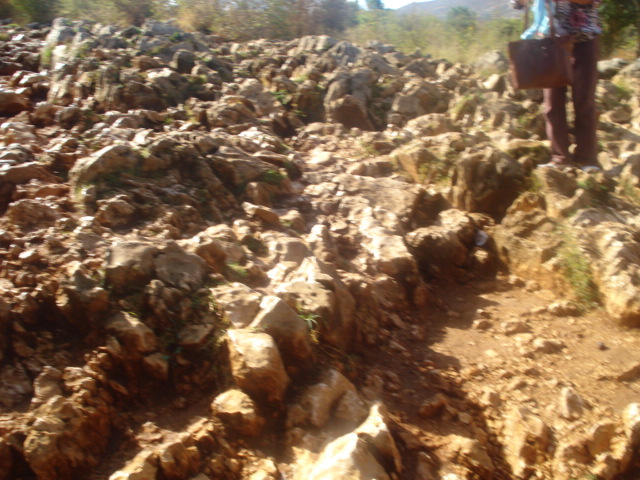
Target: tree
(618, 17)
(5, 9)
(200, 15)
(335, 16)
(375, 5)
(135, 12)
(463, 22)
(42, 11)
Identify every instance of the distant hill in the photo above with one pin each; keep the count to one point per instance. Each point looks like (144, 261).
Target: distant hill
(484, 8)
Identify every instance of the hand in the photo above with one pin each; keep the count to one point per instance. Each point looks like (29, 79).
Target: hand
(517, 4)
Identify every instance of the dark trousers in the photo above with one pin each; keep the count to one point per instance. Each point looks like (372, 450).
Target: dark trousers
(585, 73)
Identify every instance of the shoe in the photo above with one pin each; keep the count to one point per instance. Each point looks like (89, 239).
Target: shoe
(590, 168)
(558, 165)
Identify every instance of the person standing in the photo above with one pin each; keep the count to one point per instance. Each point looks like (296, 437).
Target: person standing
(579, 20)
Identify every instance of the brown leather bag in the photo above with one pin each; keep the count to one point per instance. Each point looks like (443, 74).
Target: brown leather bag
(541, 63)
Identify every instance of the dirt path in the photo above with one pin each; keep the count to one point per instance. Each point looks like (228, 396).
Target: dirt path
(488, 346)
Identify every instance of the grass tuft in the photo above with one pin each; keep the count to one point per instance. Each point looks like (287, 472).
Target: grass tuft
(577, 270)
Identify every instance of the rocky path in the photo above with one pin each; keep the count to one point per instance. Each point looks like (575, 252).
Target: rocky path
(449, 379)
(497, 344)
(287, 260)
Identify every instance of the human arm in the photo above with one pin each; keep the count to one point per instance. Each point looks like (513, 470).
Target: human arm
(517, 4)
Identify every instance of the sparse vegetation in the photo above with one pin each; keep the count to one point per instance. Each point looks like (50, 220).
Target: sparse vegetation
(237, 271)
(272, 177)
(577, 270)
(256, 246)
(282, 96)
(532, 184)
(311, 320)
(629, 191)
(598, 190)
(368, 150)
(45, 55)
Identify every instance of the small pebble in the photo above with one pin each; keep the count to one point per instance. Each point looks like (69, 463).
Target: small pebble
(601, 346)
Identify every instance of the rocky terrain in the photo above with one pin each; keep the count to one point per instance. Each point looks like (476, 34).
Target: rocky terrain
(307, 260)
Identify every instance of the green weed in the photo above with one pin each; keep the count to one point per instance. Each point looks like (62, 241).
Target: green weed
(237, 271)
(624, 90)
(176, 37)
(256, 246)
(310, 318)
(599, 191)
(368, 149)
(282, 96)
(533, 184)
(272, 177)
(577, 270)
(46, 55)
(627, 190)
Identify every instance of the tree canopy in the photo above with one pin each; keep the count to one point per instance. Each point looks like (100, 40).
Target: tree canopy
(619, 18)
(461, 33)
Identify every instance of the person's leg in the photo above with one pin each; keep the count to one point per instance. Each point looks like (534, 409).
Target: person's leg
(555, 113)
(583, 92)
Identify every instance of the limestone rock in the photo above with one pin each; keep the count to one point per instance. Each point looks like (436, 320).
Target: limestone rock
(486, 181)
(177, 460)
(347, 99)
(351, 408)
(287, 328)
(600, 437)
(12, 103)
(346, 458)
(134, 334)
(419, 97)
(46, 385)
(217, 245)
(316, 289)
(256, 365)
(527, 241)
(29, 213)
(66, 438)
(615, 273)
(238, 412)
(526, 439)
(631, 420)
(544, 345)
(109, 160)
(180, 269)
(6, 460)
(239, 303)
(130, 264)
(15, 385)
(471, 454)
(144, 466)
(418, 161)
(389, 252)
(437, 249)
(318, 401)
(265, 214)
(571, 404)
(115, 212)
(375, 431)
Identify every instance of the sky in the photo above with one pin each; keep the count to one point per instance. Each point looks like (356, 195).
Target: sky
(393, 4)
